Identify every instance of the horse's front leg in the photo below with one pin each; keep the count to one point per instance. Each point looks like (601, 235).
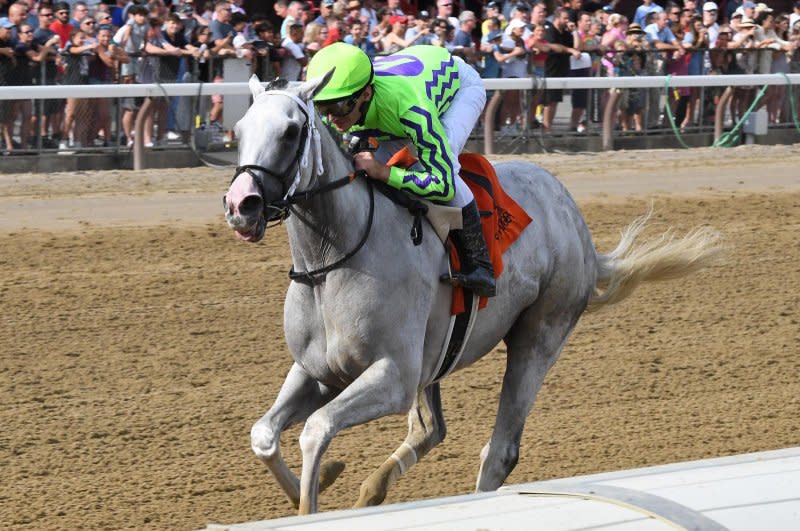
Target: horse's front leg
(299, 397)
(426, 429)
(382, 389)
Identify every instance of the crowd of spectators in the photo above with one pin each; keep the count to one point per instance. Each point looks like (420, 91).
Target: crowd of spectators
(134, 42)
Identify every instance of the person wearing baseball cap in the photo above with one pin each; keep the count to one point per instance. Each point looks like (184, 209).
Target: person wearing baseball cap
(325, 12)
(710, 10)
(494, 10)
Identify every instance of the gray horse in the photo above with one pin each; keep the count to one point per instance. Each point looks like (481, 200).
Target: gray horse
(367, 314)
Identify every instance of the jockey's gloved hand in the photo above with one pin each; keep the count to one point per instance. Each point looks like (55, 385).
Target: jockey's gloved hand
(358, 144)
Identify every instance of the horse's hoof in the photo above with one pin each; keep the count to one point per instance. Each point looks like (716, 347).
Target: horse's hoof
(370, 496)
(328, 473)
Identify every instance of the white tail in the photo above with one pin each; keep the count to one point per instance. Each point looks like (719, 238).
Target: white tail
(664, 258)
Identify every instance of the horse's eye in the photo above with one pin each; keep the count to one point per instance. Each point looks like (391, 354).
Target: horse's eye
(292, 132)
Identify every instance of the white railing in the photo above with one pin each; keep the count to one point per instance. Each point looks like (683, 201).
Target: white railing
(241, 88)
(526, 84)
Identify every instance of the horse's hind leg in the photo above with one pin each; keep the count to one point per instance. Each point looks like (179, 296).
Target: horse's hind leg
(534, 344)
(426, 429)
(299, 397)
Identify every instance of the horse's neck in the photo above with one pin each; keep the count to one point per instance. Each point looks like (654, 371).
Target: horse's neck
(331, 224)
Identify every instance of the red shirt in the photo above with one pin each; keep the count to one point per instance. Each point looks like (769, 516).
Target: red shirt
(62, 30)
(333, 36)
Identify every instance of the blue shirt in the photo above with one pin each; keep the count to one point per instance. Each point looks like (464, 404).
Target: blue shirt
(642, 11)
(366, 45)
(653, 34)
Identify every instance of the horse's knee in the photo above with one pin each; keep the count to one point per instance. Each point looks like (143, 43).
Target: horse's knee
(264, 441)
(316, 434)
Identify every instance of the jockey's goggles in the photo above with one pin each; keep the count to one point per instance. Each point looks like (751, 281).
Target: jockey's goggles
(338, 109)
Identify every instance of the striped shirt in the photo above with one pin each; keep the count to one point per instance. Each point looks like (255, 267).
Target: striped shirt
(412, 89)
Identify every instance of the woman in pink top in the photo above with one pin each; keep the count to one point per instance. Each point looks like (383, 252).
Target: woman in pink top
(617, 24)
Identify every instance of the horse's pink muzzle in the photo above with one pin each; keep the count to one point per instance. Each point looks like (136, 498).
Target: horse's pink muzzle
(244, 208)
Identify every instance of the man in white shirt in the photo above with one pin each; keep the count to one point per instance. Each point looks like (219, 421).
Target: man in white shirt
(444, 9)
(794, 17)
(292, 16)
(295, 58)
(710, 22)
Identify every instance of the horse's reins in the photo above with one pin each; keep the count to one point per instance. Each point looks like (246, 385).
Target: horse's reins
(279, 209)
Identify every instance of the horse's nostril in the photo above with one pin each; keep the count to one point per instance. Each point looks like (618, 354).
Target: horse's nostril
(250, 205)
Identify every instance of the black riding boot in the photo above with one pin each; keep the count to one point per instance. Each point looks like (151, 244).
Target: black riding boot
(476, 272)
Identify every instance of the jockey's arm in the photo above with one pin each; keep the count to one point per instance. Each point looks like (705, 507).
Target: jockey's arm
(435, 181)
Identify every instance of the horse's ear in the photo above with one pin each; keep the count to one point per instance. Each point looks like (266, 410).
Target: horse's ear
(311, 88)
(255, 86)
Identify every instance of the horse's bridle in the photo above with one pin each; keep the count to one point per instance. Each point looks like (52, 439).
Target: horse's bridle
(279, 209)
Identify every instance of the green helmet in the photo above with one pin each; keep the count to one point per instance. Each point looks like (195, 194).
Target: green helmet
(353, 71)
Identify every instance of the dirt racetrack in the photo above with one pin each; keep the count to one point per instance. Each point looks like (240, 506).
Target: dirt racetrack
(139, 341)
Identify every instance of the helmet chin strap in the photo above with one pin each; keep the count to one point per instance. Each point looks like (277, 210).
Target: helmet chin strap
(363, 108)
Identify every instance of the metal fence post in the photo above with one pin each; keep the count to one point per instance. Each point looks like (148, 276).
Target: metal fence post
(488, 122)
(609, 119)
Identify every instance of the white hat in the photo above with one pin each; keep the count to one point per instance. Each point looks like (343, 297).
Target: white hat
(710, 6)
(747, 22)
(763, 8)
(516, 23)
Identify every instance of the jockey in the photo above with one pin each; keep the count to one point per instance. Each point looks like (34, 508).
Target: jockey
(422, 96)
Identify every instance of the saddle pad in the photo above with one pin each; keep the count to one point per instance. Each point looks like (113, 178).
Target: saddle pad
(502, 218)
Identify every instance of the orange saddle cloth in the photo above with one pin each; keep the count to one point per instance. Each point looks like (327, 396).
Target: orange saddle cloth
(502, 218)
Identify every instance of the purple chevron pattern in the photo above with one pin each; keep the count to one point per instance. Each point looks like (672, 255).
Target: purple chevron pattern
(442, 84)
(443, 105)
(423, 181)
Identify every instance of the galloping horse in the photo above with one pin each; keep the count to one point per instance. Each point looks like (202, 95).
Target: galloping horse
(366, 314)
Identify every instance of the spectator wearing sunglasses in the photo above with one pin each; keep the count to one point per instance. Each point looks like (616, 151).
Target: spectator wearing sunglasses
(50, 110)
(103, 18)
(28, 55)
(88, 26)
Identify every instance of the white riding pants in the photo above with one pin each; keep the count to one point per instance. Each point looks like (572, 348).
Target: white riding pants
(458, 121)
